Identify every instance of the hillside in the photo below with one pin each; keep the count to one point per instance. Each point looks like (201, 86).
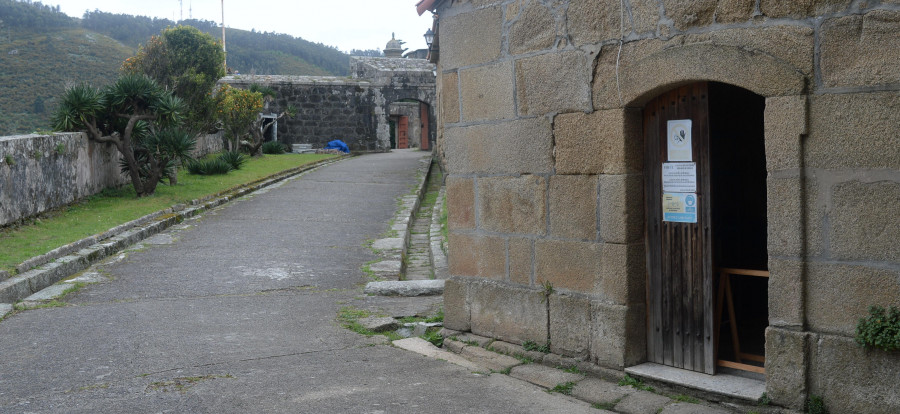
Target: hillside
(36, 68)
(42, 51)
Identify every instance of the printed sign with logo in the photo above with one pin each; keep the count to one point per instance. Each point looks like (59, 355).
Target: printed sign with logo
(679, 177)
(679, 140)
(680, 207)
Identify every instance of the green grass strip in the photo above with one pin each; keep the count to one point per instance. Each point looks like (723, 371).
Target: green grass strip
(113, 207)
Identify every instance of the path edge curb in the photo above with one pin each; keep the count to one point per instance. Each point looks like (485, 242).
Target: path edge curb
(42, 271)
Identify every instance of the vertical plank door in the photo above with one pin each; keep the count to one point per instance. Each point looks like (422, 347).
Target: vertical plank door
(679, 255)
(403, 132)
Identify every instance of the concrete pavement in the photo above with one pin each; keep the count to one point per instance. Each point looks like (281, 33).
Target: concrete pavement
(234, 311)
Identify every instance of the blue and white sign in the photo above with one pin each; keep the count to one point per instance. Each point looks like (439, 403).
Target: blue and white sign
(680, 207)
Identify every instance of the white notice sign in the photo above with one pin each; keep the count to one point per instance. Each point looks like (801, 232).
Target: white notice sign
(679, 140)
(679, 177)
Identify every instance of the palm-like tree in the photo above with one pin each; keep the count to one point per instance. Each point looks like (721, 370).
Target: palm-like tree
(124, 114)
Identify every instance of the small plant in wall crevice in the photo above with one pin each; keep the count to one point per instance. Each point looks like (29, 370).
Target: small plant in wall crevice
(881, 329)
(9, 160)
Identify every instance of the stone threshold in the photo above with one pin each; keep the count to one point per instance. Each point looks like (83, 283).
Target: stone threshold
(727, 384)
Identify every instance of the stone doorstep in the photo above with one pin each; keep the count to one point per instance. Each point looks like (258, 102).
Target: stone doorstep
(723, 385)
(120, 237)
(586, 388)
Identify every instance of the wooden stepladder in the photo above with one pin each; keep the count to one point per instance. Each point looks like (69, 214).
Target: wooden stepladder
(678, 230)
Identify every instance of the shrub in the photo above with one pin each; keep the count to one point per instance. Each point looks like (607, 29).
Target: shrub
(881, 329)
(273, 147)
(215, 166)
(234, 158)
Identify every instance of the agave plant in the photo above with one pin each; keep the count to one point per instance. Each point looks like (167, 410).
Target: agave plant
(123, 114)
(234, 158)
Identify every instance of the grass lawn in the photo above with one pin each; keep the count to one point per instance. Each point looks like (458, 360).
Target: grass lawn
(112, 207)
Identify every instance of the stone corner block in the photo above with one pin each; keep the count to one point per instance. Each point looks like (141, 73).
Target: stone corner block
(508, 312)
(457, 314)
(569, 318)
(786, 366)
(618, 335)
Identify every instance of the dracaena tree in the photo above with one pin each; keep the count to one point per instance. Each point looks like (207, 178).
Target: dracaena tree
(134, 114)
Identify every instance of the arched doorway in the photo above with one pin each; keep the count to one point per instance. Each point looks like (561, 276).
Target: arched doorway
(412, 124)
(705, 212)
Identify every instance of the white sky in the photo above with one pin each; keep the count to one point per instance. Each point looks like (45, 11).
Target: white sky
(347, 24)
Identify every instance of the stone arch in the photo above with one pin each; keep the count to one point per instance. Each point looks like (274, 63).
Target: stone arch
(389, 95)
(784, 87)
(646, 78)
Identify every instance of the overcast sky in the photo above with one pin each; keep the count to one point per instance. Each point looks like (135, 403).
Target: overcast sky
(347, 24)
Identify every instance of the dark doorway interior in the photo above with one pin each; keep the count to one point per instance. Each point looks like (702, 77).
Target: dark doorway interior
(738, 205)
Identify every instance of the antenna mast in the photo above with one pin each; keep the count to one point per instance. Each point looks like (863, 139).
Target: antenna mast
(180, 10)
(225, 61)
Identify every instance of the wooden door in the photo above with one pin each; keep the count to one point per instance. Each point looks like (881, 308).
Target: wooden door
(679, 254)
(403, 132)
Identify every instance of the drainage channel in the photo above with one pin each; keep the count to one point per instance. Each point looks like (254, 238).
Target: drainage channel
(417, 263)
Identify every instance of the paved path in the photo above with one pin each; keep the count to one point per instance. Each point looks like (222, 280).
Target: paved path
(235, 312)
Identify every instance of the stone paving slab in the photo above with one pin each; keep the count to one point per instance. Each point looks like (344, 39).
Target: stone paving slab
(5, 309)
(405, 288)
(641, 402)
(688, 408)
(421, 346)
(601, 392)
(515, 350)
(48, 293)
(544, 376)
(490, 361)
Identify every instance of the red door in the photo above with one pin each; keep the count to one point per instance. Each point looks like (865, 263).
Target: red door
(403, 133)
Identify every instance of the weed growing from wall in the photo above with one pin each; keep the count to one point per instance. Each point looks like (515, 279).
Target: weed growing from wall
(881, 329)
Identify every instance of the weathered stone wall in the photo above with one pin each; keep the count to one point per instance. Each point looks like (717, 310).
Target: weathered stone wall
(42, 172)
(540, 105)
(354, 110)
(328, 108)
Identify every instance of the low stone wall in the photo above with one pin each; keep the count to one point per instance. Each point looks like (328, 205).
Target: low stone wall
(42, 172)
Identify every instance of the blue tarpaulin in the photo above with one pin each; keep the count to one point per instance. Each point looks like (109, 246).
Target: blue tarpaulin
(338, 145)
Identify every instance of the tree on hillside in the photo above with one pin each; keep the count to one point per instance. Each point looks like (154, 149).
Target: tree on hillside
(187, 62)
(136, 115)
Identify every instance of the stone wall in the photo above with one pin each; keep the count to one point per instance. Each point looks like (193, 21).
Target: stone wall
(42, 172)
(328, 108)
(540, 107)
(354, 110)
